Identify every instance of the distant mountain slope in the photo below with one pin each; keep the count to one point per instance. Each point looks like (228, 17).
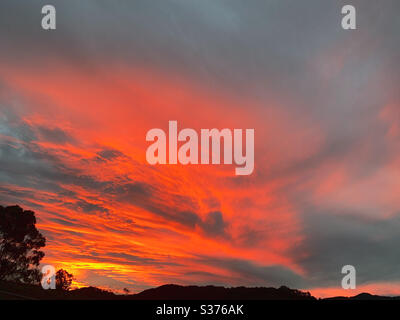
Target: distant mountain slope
(15, 291)
(175, 292)
(364, 296)
(166, 292)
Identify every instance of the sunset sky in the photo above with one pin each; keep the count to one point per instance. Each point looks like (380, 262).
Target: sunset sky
(76, 104)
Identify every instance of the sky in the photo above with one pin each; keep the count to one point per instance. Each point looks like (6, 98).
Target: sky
(76, 104)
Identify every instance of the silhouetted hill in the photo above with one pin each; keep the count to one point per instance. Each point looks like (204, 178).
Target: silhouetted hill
(91, 293)
(9, 290)
(17, 291)
(364, 296)
(175, 292)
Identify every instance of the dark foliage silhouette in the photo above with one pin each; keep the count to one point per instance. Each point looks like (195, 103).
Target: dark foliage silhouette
(176, 292)
(20, 244)
(63, 279)
(11, 290)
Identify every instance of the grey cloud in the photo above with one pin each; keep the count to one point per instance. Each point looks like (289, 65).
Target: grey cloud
(251, 274)
(214, 224)
(333, 240)
(11, 125)
(225, 42)
(136, 259)
(91, 207)
(150, 198)
(32, 166)
(250, 236)
(55, 135)
(108, 155)
(63, 222)
(118, 257)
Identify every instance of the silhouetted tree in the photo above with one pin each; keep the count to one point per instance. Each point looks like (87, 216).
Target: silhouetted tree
(63, 279)
(20, 244)
(126, 290)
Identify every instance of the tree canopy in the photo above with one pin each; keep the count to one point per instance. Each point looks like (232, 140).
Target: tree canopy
(63, 279)
(20, 244)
